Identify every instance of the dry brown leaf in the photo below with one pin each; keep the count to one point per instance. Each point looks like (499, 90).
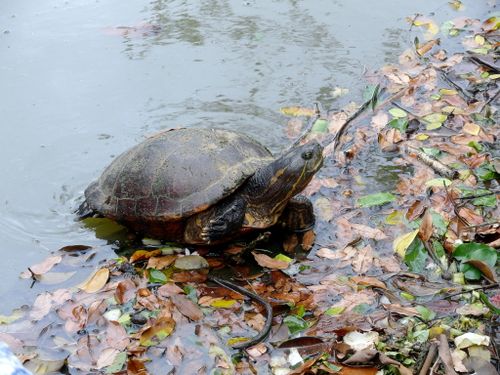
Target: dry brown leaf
(154, 334)
(106, 358)
(364, 260)
(125, 291)
(368, 232)
(42, 267)
(143, 255)
(187, 307)
(96, 281)
(328, 253)
(160, 263)
(369, 281)
(136, 367)
(426, 229)
(264, 260)
(116, 336)
(427, 46)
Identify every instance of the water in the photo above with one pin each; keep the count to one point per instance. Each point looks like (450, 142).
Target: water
(84, 80)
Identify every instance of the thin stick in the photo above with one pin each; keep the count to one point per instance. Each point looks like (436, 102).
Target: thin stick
(491, 286)
(444, 353)
(310, 124)
(478, 61)
(431, 354)
(489, 101)
(436, 165)
(445, 77)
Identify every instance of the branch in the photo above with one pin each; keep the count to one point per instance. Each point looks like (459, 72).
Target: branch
(436, 165)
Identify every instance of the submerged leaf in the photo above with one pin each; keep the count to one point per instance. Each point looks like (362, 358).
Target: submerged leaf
(377, 199)
(161, 329)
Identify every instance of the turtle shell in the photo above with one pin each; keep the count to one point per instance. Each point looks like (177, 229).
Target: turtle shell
(175, 174)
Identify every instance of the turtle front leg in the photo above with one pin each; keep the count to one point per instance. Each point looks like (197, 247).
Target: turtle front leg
(213, 225)
(298, 215)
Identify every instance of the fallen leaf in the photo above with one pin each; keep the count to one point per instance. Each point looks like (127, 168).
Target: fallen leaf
(364, 260)
(96, 281)
(264, 260)
(469, 339)
(42, 267)
(425, 230)
(160, 329)
(162, 262)
(368, 281)
(187, 307)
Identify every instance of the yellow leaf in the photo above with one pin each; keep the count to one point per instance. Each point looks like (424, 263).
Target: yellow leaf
(421, 137)
(448, 92)
(471, 128)
(297, 111)
(433, 125)
(494, 76)
(96, 281)
(401, 243)
(479, 39)
(453, 109)
(223, 303)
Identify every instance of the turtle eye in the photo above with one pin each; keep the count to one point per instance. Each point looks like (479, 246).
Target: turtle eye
(307, 155)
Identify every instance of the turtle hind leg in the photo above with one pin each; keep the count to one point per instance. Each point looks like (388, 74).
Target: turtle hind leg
(223, 220)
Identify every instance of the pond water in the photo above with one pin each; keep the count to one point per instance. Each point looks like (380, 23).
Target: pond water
(84, 80)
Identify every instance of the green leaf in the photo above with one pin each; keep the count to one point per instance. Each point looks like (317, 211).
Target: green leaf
(439, 223)
(486, 172)
(156, 276)
(301, 311)
(486, 201)
(333, 311)
(435, 118)
(434, 152)
(377, 199)
(397, 113)
(416, 256)
(408, 296)
(399, 123)
(470, 272)
(362, 308)
(295, 324)
(438, 248)
(425, 313)
(320, 126)
(438, 182)
(478, 251)
(283, 257)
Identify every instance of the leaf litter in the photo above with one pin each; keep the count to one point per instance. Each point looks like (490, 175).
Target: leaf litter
(402, 277)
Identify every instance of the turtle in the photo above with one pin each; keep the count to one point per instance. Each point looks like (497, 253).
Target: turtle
(204, 186)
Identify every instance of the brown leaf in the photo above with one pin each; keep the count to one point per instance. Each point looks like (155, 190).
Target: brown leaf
(160, 263)
(140, 255)
(96, 281)
(41, 268)
(425, 230)
(485, 269)
(168, 290)
(308, 239)
(427, 46)
(369, 281)
(154, 334)
(125, 291)
(402, 310)
(106, 358)
(72, 248)
(264, 260)
(116, 336)
(364, 260)
(415, 210)
(187, 307)
(136, 367)
(471, 217)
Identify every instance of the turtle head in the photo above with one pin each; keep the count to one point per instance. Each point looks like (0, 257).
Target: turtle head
(272, 186)
(293, 170)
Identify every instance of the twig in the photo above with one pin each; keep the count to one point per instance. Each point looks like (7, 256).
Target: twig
(310, 124)
(489, 101)
(445, 77)
(455, 208)
(431, 354)
(269, 311)
(343, 127)
(445, 355)
(478, 61)
(491, 286)
(480, 195)
(436, 165)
